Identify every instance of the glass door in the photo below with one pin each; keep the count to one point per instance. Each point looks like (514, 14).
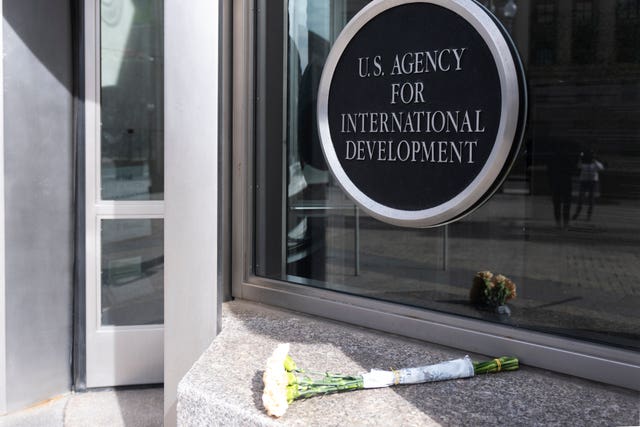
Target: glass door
(124, 192)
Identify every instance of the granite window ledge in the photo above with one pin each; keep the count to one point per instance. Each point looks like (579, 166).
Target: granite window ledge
(224, 386)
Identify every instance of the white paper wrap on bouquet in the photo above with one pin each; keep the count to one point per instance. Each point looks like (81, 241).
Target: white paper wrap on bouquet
(459, 368)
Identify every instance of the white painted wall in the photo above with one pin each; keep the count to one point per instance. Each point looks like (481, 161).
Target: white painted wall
(191, 182)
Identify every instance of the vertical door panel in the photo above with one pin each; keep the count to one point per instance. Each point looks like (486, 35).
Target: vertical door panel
(125, 191)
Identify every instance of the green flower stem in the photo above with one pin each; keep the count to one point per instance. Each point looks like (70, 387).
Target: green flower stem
(491, 366)
(304, 384)
(316, 389)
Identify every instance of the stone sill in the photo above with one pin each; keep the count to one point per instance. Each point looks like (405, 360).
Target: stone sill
(224, 386)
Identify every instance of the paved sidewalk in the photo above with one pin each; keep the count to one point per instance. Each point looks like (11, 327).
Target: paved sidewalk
(111, 408)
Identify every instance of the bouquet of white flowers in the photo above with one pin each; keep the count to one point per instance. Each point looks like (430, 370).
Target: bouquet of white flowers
(285, 382)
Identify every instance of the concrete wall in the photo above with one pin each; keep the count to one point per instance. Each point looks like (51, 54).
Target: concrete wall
(38, 184)
(191, 184)
(3, 347)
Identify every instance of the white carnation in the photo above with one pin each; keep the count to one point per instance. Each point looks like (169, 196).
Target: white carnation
(274, 396)
(275, 401)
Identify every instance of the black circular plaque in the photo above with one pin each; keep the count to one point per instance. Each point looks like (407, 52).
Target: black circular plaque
(421, 109)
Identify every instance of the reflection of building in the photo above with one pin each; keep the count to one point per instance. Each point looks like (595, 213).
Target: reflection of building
(131, 127)
(583, 61)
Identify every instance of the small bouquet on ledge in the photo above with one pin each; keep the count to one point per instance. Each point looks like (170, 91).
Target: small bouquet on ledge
(285, 382)
(492, 292)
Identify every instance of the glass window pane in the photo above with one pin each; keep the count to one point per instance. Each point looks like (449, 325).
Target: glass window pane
(564, 226)
(132, 128)
(132, 271)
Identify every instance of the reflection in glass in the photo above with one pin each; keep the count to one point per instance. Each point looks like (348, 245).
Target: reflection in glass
(131, 68)
(132, 271)
(564, 225)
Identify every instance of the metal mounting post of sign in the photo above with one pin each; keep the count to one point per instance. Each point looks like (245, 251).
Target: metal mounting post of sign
(445, 247)
(356, 240)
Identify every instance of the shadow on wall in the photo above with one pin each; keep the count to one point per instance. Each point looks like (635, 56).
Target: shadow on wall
(39, 199)
(39, 42)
